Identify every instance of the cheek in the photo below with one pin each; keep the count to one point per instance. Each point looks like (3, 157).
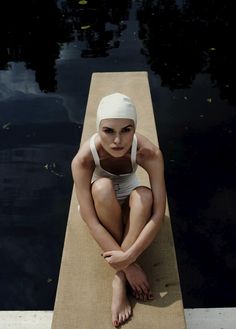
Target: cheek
(129, 139)
(104, 138)
(106, 142)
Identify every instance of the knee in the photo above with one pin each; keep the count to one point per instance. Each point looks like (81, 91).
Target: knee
(142, 196)
(102, 190)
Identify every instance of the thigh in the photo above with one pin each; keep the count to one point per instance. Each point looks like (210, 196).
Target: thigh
(140, 199)
(107, 207)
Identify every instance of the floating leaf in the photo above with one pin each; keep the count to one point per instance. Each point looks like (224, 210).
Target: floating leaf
(83, 2)
(52, 168)
(7, 125)
(85, 27)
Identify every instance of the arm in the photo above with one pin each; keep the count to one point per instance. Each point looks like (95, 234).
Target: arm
(155, 168)
(82, 169)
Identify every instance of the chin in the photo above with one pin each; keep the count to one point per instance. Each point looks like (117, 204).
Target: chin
(117, 154)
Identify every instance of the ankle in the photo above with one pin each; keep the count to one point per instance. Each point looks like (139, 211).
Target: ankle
(119, 277)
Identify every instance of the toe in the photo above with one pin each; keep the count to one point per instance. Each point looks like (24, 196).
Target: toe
(115, 322)
(150, 296)
(128, 314)
(121, 321)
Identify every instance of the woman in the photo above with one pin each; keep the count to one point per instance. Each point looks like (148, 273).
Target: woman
(122, 216)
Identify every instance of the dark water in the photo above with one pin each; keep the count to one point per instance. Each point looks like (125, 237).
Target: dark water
(48, 52)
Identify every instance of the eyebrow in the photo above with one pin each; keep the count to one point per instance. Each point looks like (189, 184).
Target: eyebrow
(128, 126)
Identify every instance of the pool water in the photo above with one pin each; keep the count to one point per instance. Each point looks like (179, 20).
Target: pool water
(48, 52)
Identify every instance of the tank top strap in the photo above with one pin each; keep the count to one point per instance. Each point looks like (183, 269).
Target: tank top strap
(134, 152)
(94, 150)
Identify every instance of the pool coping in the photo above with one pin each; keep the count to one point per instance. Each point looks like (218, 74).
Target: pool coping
(200, 318)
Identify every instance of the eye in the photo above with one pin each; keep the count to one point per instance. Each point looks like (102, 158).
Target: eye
(108, 130)
(126, 130)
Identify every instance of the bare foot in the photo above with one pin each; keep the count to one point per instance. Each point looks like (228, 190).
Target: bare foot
(120, 307)
(138, 282)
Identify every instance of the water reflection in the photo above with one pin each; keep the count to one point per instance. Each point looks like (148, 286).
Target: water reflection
(180, 43)
(97, 24)
(31, 32)
(180, 39)
(48, 51)
(35, 30)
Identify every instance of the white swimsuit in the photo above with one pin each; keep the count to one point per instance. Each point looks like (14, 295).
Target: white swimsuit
(123, 184)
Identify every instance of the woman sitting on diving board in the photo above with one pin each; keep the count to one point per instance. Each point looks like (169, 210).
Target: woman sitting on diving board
(122, 215)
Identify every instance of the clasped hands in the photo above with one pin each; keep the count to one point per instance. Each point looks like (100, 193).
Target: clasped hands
(118, 259)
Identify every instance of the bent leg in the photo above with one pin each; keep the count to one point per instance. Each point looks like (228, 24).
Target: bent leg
(140, 210)
(107, 207)
(109, 213)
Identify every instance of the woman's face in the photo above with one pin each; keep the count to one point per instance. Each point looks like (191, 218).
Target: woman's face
(116, 135)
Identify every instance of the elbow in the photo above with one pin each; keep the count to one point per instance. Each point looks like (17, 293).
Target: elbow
(74, 164)
(73, 167)
(158, 219)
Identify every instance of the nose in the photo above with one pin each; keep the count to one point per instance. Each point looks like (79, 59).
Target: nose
(117, 139)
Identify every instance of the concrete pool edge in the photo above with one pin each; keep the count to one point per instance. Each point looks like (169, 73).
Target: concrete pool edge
(200, 318)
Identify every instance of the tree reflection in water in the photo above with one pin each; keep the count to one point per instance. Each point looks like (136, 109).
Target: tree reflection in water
(180, 43)
(35, 30)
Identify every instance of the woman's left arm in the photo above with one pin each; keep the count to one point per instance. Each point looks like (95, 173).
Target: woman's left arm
(154, 165)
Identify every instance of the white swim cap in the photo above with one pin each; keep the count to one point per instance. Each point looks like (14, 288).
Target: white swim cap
(116, 106)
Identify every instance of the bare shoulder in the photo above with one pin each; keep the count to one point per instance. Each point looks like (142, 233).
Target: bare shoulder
(83, 158)
(147, 151)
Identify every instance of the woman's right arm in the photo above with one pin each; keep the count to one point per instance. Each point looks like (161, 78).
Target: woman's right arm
(82, 169)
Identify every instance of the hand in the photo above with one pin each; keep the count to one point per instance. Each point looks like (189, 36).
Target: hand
(118, 259)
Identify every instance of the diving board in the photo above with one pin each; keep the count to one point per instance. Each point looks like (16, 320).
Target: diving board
(84, 290)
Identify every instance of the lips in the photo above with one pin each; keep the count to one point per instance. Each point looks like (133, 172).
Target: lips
(117, 148)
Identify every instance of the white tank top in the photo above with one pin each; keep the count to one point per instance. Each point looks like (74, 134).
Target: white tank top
(123, 184)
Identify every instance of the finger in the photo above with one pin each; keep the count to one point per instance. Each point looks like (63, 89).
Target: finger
(108, 259)
(106, 254)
